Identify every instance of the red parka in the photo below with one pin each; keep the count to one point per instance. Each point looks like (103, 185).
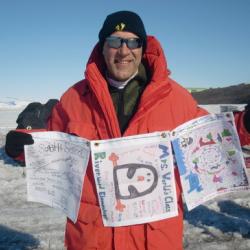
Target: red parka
(86, 110)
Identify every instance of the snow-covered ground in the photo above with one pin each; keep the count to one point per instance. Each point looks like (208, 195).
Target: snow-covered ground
(23, 225)
(222, 224)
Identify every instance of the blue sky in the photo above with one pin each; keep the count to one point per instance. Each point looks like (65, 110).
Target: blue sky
(45, 44)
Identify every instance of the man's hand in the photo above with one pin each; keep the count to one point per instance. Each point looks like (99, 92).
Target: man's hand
(15, 142)
(247, 117)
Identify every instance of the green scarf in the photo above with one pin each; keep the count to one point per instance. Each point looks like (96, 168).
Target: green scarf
(126, 100)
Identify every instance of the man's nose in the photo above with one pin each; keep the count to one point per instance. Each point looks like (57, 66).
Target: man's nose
(124, 48)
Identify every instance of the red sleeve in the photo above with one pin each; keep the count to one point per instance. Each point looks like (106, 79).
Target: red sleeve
(58, 119)
(244, 135)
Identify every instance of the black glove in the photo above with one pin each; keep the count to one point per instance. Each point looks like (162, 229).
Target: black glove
(15, 142)
(35, 115)
(247, 117)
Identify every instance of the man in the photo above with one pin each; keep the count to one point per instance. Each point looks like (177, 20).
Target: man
(126, 91)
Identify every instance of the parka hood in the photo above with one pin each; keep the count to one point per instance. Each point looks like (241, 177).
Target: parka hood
(158, 87)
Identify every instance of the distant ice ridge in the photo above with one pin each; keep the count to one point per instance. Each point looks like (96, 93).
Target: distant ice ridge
(219, 108)
(12, 103)
(10, 108)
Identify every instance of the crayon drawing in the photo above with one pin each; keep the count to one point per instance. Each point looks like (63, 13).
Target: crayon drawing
(209, 159)
(134, 179)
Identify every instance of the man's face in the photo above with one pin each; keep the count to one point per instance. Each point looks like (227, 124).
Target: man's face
(123, 62)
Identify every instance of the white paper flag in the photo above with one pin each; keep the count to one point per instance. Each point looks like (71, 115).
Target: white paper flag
(56, 165)
(135, 179)
(209, 158)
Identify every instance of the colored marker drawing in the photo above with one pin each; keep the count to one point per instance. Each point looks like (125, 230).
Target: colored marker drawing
(134, 179)
(209, 158)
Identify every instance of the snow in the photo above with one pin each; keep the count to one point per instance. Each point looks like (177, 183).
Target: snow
(223, 223)
(23, 225)
(218, 108)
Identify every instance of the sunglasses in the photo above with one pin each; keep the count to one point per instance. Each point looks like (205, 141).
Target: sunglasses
(116, 42)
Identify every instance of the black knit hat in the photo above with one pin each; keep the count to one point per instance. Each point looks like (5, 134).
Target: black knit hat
(123, 21)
